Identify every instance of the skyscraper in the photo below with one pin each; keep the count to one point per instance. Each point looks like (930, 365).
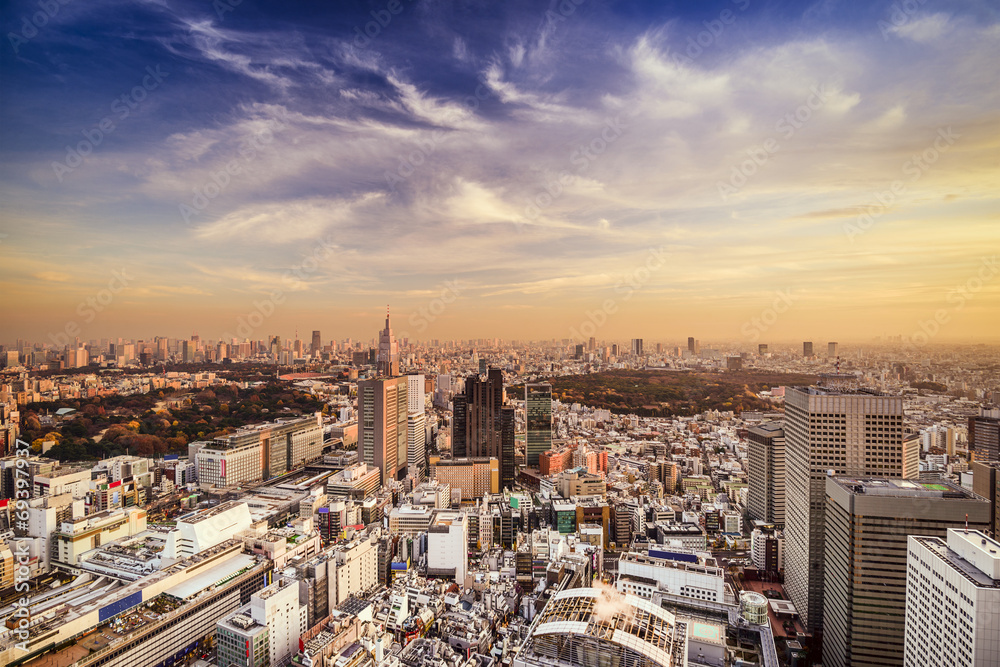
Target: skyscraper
(382, 424)
(459, 426)
(416, 435)
(538, 408)
(637, 347)
(508, 469)
(952, 600)
(831, 350)
(415, 393)
(691, 344)
(807, 349)
(850, 431)
(762, 349)
(766, 454)
(484, 399)
(867, 524)
(388, 351)
(984, 435)
(317, 344)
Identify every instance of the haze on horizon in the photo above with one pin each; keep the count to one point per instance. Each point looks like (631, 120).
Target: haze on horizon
(502, 169)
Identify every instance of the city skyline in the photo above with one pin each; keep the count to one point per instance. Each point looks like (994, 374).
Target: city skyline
(510, 170)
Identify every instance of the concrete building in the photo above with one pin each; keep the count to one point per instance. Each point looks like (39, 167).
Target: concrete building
(986, 483)
(448, 546)
(867, 524)
(410, 520)
(538, 407)
(835, 427)
(766, 455)
(358, 481)
(356, 568)
(416, 436)
(952, 600)
(77, 536)
(266, 631)
(680, 574)
(476, 477)
(984, 435)
(382, 430)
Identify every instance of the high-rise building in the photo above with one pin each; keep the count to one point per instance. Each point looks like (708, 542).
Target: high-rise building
(762, 349)
(984, 435)
(953, 600)
(807, 349)
(388, 351)
(538, 413)
(592, 344)
(636, 347)
(484, 398)
(415, 393)
(867, 524)
(986, 483)
(382, 427)
(766, 455)
(846, 430)
(831, 350)
(416, 434)
(691, 344)
(317, 344)
(508, 468)
(448, 546)
(459, 425)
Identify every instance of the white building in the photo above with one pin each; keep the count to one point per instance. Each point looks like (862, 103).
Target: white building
(448, 545)
(204, 530)
(416, 434)
(271, 624)
(415, 393)
(643, 575)
(222, 467)
(952, 600)
(356, 568)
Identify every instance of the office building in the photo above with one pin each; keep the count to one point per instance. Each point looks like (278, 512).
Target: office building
(265, 631)
(691, 344)
(508, 466)
(415, 393)
(984, 435)
(416, 435)
(538, 408)
(835, 427)
(636, 347)
(677, 575)
(953, 600)
(448, 546)
(358, 481)
(387, 360)
(316, 346)
(475, 477)
(986, 483)
(831, 350)
(766, 455)
(807, 349)
(762, 349)
(867, 523)
(484, 401)
(382, 427)
(459, 426)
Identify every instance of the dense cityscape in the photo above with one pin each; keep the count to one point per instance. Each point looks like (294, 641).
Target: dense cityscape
(525, 333)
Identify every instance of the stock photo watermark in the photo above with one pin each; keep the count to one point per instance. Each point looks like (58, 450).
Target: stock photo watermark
(759, 155)
(755, 326)
(122, 107)
(699, 43)
(915, 167)
(294, 277)
(31, 25)
(900, 14)
(21, 616)
(626, 288)
(219, 180)
(957, 298)
(89, 308)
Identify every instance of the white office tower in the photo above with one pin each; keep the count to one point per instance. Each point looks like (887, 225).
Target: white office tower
(416, 440)
(265, 631)
(953, 600)
(448, 545)
(415, 393)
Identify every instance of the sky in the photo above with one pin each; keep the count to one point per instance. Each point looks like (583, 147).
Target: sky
(747, 170)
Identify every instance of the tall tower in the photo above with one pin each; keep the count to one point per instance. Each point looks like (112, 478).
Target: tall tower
(538, 411)
(382, 424)
(843, 430)
(484, 398)
(317, 345)
(508, 469)
(388, 350)
(766, 454)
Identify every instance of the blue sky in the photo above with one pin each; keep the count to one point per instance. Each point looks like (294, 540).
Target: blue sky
(532, 154)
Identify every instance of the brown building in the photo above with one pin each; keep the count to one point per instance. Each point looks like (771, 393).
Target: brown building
(382, 410)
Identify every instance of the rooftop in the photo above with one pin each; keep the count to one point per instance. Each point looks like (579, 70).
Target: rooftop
(889, 486)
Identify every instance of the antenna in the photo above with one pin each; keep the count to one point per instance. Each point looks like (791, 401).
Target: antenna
(966, 523)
